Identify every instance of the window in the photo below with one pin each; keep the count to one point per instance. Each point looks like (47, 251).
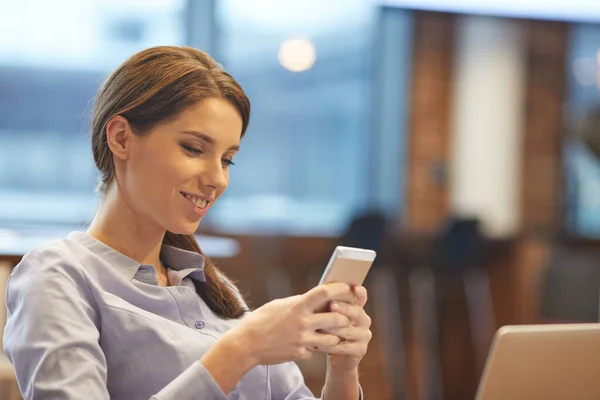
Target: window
(582, 169)
(308, 161)
(304, 163)
(53, 57)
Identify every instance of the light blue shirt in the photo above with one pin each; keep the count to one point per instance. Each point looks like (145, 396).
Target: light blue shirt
(87, 322)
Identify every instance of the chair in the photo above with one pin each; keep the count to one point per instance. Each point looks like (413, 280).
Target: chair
(570, 286)
(456, 255)
(9, 389)
(460, 250)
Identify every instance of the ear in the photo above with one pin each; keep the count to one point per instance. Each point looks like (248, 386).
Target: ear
(119, 136)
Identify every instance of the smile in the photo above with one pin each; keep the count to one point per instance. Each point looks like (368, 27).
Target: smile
(197, 201)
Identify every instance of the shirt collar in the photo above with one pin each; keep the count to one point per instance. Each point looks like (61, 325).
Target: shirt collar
(181, 263)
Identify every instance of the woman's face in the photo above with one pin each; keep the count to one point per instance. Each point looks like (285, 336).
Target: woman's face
(175, 173)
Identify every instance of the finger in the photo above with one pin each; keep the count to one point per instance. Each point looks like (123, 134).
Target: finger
(328, 320)
(351, 334)
(361, 295)
(318, 297)
(357, 314)
(351, 349)
(317, 340)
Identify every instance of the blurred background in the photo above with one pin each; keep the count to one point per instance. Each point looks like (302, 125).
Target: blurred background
(442, 134)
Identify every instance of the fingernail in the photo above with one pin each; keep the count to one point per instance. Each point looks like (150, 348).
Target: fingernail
(335, 306)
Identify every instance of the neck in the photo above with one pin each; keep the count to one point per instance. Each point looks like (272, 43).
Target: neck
(119, 226)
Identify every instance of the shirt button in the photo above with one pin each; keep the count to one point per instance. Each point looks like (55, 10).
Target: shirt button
(199, 324)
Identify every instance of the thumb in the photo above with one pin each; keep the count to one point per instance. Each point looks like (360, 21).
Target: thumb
(318, 297)
(361, 295)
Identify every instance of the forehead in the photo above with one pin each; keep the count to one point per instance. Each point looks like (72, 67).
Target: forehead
(214, 117)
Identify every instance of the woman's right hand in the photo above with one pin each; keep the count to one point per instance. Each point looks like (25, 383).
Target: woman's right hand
(287, 329)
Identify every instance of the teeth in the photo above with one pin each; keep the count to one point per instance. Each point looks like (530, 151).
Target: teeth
(197, 201)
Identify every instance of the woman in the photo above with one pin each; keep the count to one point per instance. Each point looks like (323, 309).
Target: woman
(131, 309)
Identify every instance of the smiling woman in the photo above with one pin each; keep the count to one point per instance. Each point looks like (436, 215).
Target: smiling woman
(144, 166)
(186, 165)
(132, 309)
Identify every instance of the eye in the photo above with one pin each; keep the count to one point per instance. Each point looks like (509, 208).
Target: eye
(191, 150)
(228, 162)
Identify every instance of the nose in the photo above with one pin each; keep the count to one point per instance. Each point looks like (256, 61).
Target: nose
(215, 176)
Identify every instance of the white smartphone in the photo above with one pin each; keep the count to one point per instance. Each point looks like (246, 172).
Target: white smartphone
(349, 265)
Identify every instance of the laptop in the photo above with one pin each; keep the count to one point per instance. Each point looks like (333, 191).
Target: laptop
(545, 362)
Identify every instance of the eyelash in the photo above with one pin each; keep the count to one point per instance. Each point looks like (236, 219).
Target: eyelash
(191, 150)
(197, 152)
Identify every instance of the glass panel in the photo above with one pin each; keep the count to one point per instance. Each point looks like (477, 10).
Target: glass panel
(583, 171)
(53, 57)
(303, 164)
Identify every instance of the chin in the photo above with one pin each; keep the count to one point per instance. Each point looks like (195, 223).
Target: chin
(185, 228)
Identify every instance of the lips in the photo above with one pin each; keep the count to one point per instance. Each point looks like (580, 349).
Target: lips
(197, 201)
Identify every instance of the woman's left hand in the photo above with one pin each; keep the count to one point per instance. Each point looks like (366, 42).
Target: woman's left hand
(355, 338)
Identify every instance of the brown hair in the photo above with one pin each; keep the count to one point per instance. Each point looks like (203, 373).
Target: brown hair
(151, 87)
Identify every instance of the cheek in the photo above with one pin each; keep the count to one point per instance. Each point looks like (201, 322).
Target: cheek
(155, 177)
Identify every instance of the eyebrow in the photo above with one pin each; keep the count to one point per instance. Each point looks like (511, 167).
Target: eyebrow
(208, 139)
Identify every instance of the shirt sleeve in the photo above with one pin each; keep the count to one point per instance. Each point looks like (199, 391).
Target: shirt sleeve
(193, 381)
(287, 382)
(53, 341)
(360, 394)
(51, 335)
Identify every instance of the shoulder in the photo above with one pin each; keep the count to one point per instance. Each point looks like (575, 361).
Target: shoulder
(61, 255)
(57, 263)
